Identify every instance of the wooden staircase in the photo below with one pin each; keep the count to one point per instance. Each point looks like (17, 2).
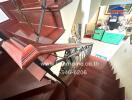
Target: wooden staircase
(99, 83)
(31, 10)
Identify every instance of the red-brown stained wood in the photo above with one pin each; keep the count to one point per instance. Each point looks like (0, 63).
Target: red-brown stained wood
(36, 71)
(14, 81)
(98, 84)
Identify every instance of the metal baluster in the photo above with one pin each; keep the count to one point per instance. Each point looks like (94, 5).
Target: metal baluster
(67, 60)
(76, 57)
(86, 50)
(83, 52)
(80, 55)
(73, 57)
(41, 20)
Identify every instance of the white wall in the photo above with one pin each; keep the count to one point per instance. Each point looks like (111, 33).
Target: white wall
(93, 15)
(68, 14)
(86, 4)
(95, 4)
(82, 15)
(122, 63)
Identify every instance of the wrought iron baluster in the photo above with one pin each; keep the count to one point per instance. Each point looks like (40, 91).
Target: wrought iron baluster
(77, 57)
(83, 52)
(43, 6)
(80, 54)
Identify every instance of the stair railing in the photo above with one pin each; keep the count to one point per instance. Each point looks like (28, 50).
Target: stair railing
(76, 55)
(30, 53)
(70, 57)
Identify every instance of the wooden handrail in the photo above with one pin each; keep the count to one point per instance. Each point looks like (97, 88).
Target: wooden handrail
(24, 56)
(30, 52)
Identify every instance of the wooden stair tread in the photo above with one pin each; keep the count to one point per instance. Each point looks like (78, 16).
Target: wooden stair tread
(102, 84)
(98, 75)
(46, 35)
(58, 93)
(18, 81)
(96, 80)
(76, 95)
(42, 93)
(51, 4)
(106, 73)
(36, 71)
(93, 91)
